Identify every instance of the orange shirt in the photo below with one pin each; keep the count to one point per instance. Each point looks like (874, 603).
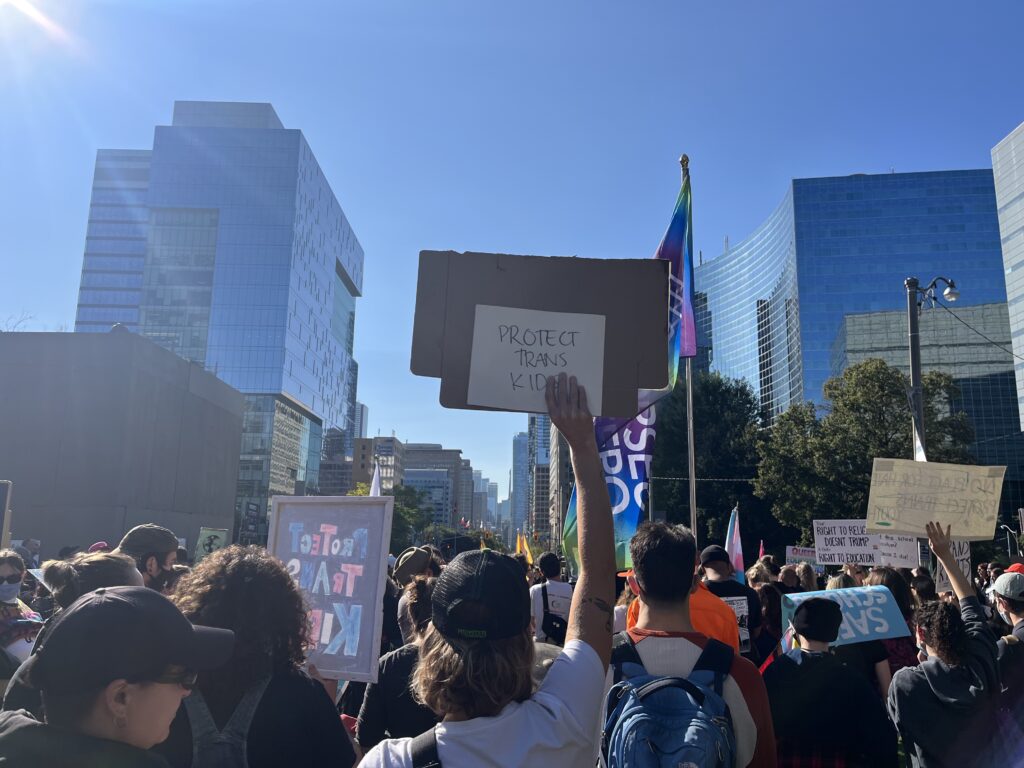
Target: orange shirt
(709, 615)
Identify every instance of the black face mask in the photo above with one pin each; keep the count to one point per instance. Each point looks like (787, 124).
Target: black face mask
(160, 581)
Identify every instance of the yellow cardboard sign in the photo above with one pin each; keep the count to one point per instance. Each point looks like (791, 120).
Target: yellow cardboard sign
(905, 495)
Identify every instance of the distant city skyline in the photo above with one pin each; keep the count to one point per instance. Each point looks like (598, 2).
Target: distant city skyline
(546, 128)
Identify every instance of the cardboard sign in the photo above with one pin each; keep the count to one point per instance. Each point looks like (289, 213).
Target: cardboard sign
(962, 552)
(869, 613)
(797, 555)
(336, 549)
(210, 540)
(741, 607)
(632, 295)
(516, 350)
(837, 542)
(905, 495)
(898, 551)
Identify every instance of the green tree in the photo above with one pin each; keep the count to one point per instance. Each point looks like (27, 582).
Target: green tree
(820, 466)
(411, 514)
(726, 429)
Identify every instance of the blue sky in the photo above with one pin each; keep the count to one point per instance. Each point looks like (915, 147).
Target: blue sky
(530, 127)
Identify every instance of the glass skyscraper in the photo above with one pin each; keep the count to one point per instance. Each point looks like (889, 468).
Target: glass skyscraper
(226, 245)
(769, 309)
(1008, 167)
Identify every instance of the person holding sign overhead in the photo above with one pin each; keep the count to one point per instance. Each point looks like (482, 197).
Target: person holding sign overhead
(476, 660)
(945, 709)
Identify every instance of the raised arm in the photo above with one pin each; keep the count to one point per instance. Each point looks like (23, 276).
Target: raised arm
(592, 611)
(939, 541)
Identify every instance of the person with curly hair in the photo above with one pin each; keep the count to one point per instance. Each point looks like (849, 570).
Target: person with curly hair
(261, 705)
(945, 708)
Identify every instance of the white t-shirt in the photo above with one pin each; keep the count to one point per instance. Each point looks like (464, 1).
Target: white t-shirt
(559, 601)
(556, 726)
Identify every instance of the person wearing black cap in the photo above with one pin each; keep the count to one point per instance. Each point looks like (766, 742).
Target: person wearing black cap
(155, 550)
(112, 670)
(804, 685)
(476, 659)
(720, 579)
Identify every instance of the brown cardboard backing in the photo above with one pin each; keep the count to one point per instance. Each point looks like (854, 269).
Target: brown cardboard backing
(631, 293)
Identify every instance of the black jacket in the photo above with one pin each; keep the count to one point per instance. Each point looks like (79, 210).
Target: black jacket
(945, 714)
(803, 690)
(28, 743)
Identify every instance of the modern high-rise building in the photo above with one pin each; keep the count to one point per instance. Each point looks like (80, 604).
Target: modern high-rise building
(1008, 168)
(362, 418)
(436, 487)
(769, 308)
(386, 452)
(972, 347)
(519, 493)
(433, 456)
(560, 482)
(492, 503)
(539, 431)
(225, 244)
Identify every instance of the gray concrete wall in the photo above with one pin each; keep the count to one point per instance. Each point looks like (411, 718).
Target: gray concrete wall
(101, 432)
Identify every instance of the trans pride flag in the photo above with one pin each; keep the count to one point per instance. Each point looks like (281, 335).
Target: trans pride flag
(627, 445)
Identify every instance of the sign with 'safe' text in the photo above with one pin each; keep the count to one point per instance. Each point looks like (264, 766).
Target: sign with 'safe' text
(869, 613)
(515, 351)
(335, 548)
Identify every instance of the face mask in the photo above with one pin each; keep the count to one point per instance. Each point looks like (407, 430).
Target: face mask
(1005, 617)
(159, 581)
(9, 592)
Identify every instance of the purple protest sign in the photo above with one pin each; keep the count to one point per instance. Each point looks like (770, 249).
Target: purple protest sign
(336, 548)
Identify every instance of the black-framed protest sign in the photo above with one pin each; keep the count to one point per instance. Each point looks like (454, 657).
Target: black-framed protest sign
(336, 549)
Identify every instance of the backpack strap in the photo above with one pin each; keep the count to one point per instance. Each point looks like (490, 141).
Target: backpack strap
(623, 652)
(544, 595)
(424, 750)
(717, 658)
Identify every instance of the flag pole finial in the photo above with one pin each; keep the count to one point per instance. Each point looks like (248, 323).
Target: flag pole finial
(684, 162)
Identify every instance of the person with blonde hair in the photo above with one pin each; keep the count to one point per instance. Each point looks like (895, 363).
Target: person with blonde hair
(477, 657)
(758, 573)
(808, 578)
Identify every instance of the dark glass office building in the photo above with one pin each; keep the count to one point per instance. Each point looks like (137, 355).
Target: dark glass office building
(226, 245)
(769, 309)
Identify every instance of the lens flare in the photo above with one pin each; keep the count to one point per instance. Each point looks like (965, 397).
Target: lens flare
(36, 16)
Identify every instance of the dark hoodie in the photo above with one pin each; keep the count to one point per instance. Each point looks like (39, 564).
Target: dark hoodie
(947, 715)
(28, 743)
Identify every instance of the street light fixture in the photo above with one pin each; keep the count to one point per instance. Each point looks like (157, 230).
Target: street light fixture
(1009, 531)
(916, 296)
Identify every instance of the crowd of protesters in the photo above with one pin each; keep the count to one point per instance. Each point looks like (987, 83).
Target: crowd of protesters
(126, 656)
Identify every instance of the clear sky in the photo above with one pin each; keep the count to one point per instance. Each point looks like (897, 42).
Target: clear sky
(548, 127)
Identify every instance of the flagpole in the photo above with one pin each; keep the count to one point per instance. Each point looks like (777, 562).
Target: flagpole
(684, 162)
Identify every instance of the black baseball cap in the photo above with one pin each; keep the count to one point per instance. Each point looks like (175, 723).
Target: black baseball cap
(147, 539)
(133, 633)
(714, 554)
(818, 619)
(481, 595)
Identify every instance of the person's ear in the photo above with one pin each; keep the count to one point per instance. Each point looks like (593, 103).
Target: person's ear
(920, 635)
(152, 566)
(634, 585)
(116, 700)
(695, 581)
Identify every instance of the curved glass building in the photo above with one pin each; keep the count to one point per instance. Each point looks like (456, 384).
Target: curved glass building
(770, 308)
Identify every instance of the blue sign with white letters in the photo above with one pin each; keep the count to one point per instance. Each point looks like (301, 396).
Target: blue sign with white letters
(869, 613)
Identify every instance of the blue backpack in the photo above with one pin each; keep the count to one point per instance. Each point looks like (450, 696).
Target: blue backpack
(669, 722)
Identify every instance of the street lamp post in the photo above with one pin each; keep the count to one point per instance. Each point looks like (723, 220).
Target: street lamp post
(915, 297)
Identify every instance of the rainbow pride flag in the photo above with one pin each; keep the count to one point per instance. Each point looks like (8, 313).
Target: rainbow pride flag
(627, 445)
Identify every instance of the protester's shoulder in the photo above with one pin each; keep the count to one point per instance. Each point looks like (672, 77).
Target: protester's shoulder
(908, 678)
(294, 685)
(400, 655)
(390, 753)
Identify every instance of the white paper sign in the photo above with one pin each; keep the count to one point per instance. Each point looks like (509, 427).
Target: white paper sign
(837, 542)
(898, 551)
(741, 608)
(961, 549)
(515, 351)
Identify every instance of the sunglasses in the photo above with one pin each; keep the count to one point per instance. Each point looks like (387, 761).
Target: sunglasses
(186, 678)
(14, 578)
